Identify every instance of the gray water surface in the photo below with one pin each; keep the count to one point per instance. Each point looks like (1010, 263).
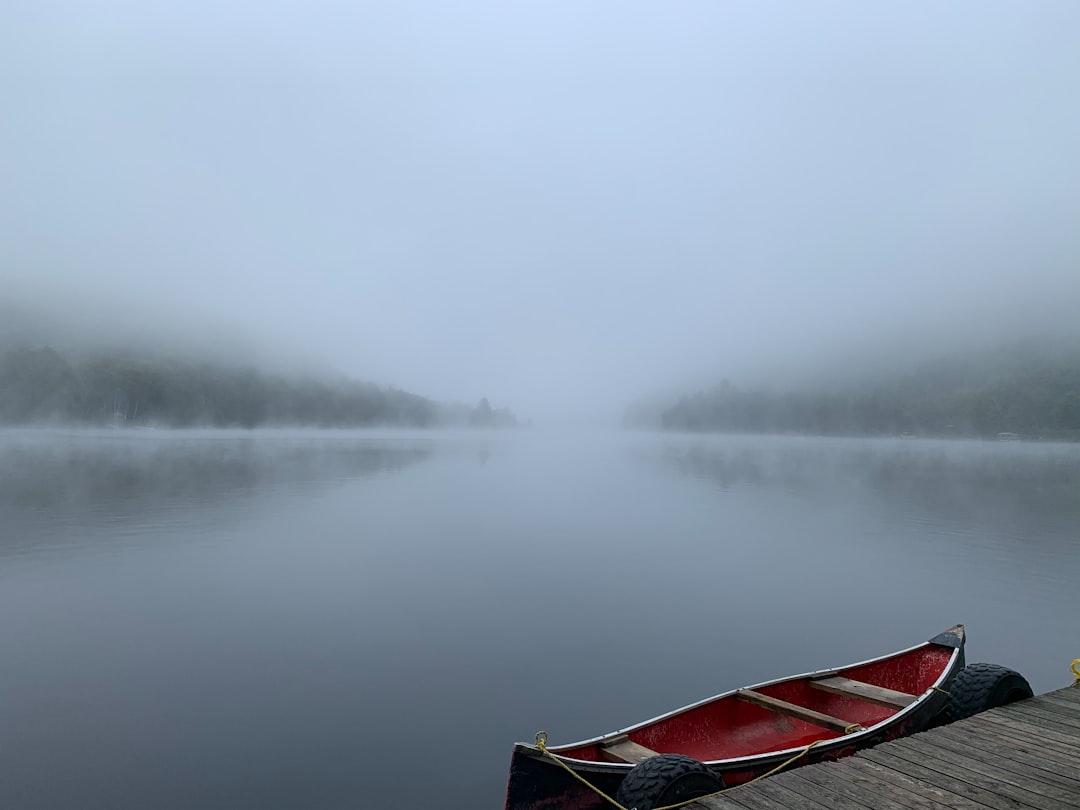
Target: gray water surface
(343, 620)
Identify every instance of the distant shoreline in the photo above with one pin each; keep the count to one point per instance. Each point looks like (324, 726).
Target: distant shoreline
(122, 390)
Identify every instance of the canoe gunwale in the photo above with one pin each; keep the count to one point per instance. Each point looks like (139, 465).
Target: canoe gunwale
(948, 671)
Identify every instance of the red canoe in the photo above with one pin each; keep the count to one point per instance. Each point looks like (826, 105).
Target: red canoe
(747, 732)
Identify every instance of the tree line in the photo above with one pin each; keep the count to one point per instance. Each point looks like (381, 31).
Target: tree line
(37, 385)
(1030, 388)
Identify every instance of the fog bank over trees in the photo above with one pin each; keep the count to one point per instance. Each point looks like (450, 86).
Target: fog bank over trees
(66, 359)
(120, 388)
(1028, 387)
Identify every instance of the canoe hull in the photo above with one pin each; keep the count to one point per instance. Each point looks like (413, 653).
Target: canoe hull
(538, 783)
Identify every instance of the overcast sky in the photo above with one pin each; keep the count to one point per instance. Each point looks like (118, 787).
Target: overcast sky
(552, 204)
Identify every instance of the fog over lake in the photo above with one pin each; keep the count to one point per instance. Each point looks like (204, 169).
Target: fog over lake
(347, 619)
(559, 206)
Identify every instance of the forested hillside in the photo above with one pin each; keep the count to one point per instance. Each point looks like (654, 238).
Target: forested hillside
(1031, 388)
(37, 385)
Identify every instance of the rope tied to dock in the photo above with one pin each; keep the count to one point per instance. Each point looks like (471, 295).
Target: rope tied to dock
(1075, 667)
(541, 744)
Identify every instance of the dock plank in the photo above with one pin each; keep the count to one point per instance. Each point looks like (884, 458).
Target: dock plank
(1028, 792)
(992, 767)
(1026, 754)
(1035, 724)
(985, 795)
(1062, 712)
(789, 798)
(1030, 708)
(740, 797)
(920, 794)
(1051, 741)
(758, 796)
(1005, 764)
(819, 794)
(1061, 703)
(1056, 703)
(855, 788)
(1068, 693)
(722, 802)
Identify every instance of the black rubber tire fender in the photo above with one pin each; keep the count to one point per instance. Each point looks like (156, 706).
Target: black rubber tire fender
(667, 779)
(978, 687)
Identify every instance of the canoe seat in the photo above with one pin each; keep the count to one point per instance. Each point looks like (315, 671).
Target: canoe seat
(864, 691)
(798, 712)
(622, 749)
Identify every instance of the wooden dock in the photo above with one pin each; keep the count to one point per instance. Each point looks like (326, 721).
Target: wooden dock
(1026, 755)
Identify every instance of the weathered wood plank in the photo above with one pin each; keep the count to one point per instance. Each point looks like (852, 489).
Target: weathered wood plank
(1069, 696)
(1026, 753)
(821, 795)
(1034, 714)
(983, 793)
(1059, 744)
(722, 802)
(1038, 724)
(1010, 761)
(977, 762)
(623, 749)
(792, 710)
(1068, 693)
(1032, 710)
(785, 796)
(1049, 703)
(1022, 789)
(754, 796)
(921, 795)
(1057, 703)
(1055, 699)
(853, 786)
(751, 801)
(878, 695)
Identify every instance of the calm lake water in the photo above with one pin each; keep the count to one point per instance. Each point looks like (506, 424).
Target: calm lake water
(345, 620)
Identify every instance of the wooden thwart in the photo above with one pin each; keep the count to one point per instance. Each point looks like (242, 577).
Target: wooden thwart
(799, 712)
(864, 691)
(623, 749)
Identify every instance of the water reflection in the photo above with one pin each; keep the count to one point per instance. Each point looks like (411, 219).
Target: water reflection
(981, 481)
(93, 480)
(907, 532)
(273, 620)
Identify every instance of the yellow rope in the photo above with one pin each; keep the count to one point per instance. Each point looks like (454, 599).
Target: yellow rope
(783, 765)
(541, 744)
(1076, 669)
